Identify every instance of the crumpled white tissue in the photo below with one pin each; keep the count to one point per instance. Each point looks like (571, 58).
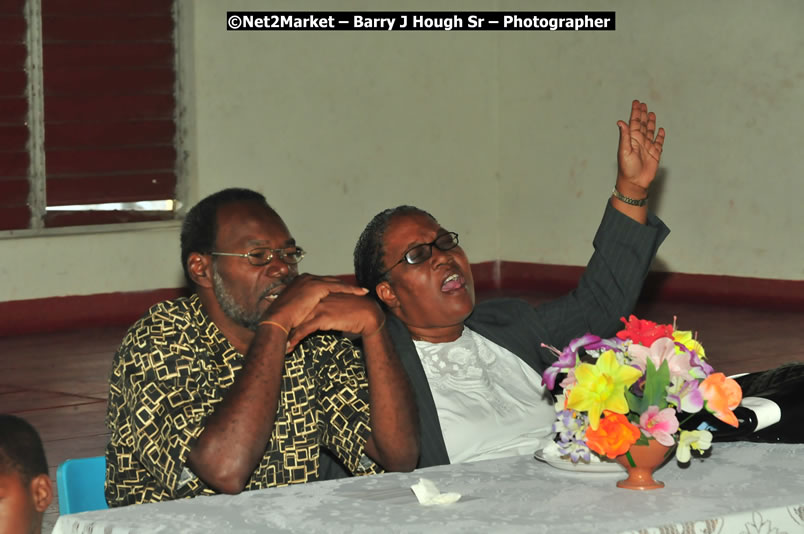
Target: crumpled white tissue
(428, 494)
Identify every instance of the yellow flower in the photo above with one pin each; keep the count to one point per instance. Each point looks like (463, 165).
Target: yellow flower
(602, 387)
(685, 338)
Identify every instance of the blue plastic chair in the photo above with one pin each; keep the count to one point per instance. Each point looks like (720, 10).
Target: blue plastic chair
(80, 482)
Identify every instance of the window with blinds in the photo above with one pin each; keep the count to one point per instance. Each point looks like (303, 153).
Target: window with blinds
(88, 113)
(14, 158)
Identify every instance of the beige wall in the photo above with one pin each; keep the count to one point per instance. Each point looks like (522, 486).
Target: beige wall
(508, 138)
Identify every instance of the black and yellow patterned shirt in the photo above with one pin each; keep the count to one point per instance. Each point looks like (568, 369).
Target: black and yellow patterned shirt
(174, 366)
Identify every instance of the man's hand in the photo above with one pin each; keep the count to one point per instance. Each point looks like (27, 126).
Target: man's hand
(639, 151)
(298, 301)
(345, 312)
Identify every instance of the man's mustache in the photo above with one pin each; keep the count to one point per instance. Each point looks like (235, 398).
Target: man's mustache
(284, 281)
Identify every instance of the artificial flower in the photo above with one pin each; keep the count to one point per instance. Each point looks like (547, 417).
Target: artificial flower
(663, 349)
(685, 395)
(722, 395)
(686, 338)
(700, 369)
(659, 424)
(601, 387)
(613, 437)
(571, 423)
(643, 332)
(700, 440)
(635, 391)
(567, 359)
(570, 427)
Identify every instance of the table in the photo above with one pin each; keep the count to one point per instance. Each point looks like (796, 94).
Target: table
(741, 487)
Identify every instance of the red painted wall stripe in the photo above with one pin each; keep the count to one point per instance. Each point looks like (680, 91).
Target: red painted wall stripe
(116, 309)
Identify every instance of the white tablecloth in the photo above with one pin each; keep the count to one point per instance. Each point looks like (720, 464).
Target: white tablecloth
(741, 487)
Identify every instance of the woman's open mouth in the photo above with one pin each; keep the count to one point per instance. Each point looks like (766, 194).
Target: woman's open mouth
(452, 283)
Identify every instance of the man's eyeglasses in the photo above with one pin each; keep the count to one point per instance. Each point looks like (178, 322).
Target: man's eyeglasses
(263, 255)
(422, 253)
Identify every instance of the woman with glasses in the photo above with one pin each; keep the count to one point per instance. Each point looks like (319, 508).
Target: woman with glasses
(476, 368)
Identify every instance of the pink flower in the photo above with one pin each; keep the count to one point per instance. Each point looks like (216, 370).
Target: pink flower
(659, 424)
(663, 349)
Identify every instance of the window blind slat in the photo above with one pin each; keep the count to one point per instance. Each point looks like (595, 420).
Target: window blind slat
(77, 55)
(13, 136)
(12, 57)
(12, 7)
(105, 7)
(110, 28)
(12, 28)
(108, 107)
(12, 83)
(99, 189)
(14, 163)
(76, 218)
(13, 110)
(13, 191)
(106, 134)
(110, 160)
(14, 211)
(109, 81)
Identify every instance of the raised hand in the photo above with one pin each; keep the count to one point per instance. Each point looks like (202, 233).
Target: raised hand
(639, 151)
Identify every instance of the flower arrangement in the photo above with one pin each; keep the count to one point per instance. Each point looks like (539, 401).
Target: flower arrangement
(640, 385)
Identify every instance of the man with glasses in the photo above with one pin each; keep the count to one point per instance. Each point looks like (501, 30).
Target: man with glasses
(236, 387)
(476, 369)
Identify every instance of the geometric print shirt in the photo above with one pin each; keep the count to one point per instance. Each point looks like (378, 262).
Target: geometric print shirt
(174, 366)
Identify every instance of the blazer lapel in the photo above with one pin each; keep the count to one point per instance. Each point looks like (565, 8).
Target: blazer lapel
(433, 448)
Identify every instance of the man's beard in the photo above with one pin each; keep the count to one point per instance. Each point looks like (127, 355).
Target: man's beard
(229, 305)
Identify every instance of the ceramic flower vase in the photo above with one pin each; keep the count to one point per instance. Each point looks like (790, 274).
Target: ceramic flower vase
(640, 461)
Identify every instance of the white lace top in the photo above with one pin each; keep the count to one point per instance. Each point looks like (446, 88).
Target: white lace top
(490, 403)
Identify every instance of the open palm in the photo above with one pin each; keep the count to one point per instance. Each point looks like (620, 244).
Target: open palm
(639, 151)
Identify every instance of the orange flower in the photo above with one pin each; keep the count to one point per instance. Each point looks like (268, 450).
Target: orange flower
(614, 436)
(722, 395)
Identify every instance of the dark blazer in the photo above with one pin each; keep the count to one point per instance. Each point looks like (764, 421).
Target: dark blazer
(608, 290)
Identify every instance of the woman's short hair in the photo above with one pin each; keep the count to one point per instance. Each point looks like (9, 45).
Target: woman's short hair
(369, 251)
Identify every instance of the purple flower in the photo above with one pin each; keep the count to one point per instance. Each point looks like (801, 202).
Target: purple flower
(570, 427)
(568, 358)
(685, 395)
(699, 365)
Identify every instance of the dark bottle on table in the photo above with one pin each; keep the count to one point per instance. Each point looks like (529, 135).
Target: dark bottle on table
(783, 386)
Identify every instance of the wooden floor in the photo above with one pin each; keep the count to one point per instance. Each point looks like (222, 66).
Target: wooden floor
(58, 381)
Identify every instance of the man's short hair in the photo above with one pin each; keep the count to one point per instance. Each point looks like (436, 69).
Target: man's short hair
(200, 225)
(369, 252)
(21, 448)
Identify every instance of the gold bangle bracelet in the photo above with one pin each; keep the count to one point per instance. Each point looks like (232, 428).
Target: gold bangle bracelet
(273, 323)
(382, 324)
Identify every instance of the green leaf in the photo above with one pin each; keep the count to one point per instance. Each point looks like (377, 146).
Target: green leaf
(634, 402)
(656, 382)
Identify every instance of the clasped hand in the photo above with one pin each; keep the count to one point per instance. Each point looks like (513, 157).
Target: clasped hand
(311, 303)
